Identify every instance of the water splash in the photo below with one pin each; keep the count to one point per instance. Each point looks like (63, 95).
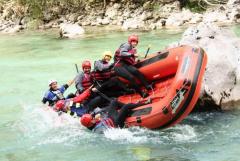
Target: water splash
(137, 135)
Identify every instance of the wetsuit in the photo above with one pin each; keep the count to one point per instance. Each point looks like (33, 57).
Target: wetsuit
(124, 66)
(113, 117)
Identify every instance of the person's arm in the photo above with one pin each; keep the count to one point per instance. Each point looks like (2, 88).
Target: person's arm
(99, 66)
(44, 100)
(78, 82)
(45, 97)
(70, 82)
(124, 48)
(83, 96)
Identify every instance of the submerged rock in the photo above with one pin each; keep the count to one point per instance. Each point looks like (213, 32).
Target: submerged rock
(221, 85)
(70, 30)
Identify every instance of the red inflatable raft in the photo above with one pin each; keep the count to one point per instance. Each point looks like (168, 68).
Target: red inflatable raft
(177, 74)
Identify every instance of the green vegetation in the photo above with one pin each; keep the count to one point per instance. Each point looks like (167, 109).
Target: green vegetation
(194, 6)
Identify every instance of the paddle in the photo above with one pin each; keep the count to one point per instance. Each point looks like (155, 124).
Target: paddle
(148, 49)
(104, 96)
(76, 66)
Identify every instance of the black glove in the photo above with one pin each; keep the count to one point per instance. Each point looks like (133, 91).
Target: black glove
(111, 66)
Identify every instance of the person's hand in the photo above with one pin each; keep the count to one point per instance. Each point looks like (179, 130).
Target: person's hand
(70, 82)
(136, 55)
(111, 66)
(94, 89)
(98, 116)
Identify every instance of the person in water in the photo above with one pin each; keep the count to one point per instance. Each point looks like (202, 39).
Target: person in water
(84, 79)
(112, 116)
(55, 93)
(74, 105)
(125, 59)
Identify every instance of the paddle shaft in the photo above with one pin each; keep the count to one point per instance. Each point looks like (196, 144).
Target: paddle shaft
(147, 52)
(77, 68)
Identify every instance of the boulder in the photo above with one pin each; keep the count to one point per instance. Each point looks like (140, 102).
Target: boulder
(73, 18)
(215, 16)
(105, 21)
(166, 10)
(70, 30)
(179, 18)
(13, 29)
(117, 6)
(147, 5)
(111, 12)
(221, 83)
(233, 2)
(133, 23)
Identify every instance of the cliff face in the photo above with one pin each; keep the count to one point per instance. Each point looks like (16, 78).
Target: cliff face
(127, 14)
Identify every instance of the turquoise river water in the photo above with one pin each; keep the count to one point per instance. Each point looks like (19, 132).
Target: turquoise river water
(30, 132)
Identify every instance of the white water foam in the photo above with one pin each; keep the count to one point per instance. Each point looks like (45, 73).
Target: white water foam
(179, 133)
(50, 128)
(37, 120)
(184, 133)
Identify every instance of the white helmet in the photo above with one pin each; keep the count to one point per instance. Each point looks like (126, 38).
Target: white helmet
(51, 81)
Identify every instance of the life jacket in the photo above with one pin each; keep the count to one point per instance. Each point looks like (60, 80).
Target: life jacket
(102, 75)
(86, 81)
(129, 60)
(58, 95)
(103, 125)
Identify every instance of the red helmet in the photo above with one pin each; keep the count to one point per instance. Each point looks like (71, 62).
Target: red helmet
(86, 120)
(132, 38)
(59, 105)
(86, 63)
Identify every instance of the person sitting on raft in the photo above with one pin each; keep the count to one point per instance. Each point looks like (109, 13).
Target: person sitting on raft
(124, 67)
(74, 105)
(103, 68)
(104, 78)
(55, 93)
(84, 79)
(108, 117)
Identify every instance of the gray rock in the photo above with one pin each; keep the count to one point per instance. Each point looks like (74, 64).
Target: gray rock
(86, 23)
(13, 29)
(215, 16)
(133, 23)
(70, 31)
(105, 21)
(117, 6)
(73, 18)
(111, 12)
(178, 19)
(221, 83)
(233, 2)
(147, 5)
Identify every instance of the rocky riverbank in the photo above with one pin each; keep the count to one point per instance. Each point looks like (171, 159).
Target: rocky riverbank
(126, 15)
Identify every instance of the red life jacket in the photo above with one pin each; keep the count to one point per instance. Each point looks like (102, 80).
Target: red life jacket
(105, 122)
(87, 81)
(102, 75)
(109, 122)
(130, 60)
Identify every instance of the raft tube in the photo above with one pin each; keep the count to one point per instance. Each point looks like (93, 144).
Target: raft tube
(177, 75)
